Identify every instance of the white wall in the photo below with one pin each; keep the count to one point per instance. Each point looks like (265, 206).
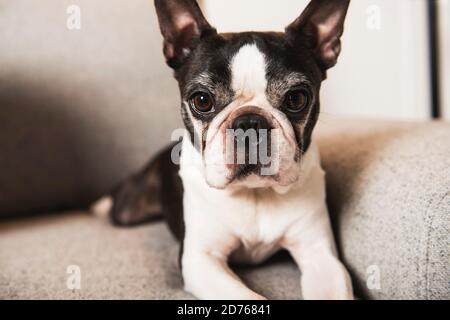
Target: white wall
(444, 19)
(382, 73)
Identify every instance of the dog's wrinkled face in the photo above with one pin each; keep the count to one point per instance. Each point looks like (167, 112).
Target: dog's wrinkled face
(251, 81)
(251, 100)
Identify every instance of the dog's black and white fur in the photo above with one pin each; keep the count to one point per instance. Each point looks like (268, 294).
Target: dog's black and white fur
(224, 212)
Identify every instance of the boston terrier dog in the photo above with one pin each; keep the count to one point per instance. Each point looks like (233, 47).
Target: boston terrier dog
(229, 204)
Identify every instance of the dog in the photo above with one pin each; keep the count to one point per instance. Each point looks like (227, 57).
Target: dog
(236, 86)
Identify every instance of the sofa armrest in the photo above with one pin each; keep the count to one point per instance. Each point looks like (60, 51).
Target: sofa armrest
(388, 189)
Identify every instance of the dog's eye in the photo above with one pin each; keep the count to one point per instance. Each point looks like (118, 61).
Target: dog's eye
(202, 102)
(297, 100)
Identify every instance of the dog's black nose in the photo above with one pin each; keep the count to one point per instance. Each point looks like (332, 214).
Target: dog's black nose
(250, 121)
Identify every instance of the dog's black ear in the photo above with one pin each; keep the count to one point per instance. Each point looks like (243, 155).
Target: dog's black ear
(321, 26)
(181, 23)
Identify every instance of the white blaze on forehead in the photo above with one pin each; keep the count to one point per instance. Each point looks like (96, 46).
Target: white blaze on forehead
(248, 70)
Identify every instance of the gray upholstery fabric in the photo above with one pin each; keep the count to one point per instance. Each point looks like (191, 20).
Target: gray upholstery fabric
(388, 190)
(78, 108)
(389, 195)
(139, 263)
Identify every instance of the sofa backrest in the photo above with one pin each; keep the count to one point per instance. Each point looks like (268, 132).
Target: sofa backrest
(79, 109)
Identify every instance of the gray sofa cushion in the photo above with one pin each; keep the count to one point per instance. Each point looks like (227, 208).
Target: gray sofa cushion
(138, 263)
(388, 191)
(389, 195)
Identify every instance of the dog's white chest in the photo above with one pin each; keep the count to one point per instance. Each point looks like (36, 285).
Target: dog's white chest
(251, 230)
(249, 225)
(260, 228)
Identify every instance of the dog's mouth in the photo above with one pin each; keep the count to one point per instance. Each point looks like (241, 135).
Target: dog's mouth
(245, 170)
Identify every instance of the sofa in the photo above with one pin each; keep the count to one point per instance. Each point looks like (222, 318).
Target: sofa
(83, 109)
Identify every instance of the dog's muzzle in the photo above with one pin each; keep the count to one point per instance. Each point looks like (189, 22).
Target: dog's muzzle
(252, 144)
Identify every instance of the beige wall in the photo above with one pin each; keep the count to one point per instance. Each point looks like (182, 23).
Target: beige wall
(382, 73)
